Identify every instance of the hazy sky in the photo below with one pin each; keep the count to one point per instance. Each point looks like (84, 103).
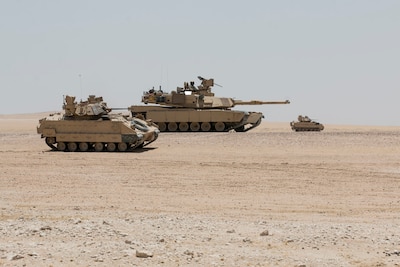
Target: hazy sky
(336, 61)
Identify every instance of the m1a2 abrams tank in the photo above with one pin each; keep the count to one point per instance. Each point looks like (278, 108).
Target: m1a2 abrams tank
(195, 108)
(304, 124)
(89, 126)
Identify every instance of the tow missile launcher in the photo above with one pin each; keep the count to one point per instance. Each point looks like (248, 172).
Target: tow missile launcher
(195, 108)
(89, 126)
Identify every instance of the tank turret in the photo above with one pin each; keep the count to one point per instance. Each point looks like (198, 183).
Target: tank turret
(196, 108)
(201, 97)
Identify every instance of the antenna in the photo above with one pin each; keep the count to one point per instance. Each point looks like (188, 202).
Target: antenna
(167, 85)
(80, 84)
(164, 79)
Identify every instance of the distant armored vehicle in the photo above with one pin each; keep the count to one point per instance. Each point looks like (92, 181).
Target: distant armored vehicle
(195, 108)
(89, 126)
(306, 124)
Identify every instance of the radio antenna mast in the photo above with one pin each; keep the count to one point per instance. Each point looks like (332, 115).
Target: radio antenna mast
(80, 84)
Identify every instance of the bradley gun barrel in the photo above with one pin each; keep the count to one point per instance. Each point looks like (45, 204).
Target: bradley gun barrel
(258, 102)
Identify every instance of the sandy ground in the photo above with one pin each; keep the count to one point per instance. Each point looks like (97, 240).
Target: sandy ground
(268, 197)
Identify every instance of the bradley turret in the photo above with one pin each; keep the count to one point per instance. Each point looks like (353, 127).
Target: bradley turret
(196, 108)
(92, 109)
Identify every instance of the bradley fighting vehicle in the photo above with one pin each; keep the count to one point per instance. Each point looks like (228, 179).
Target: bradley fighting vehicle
(304, 124)
(89, 126)
(192, 108)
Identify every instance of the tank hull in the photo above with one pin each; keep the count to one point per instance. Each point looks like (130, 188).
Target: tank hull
(112, 134)
(306, 126)
(174, 119)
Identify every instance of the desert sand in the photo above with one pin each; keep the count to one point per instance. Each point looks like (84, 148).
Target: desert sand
(267, 197)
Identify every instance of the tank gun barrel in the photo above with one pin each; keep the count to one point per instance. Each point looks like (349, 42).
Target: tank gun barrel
(258, 102)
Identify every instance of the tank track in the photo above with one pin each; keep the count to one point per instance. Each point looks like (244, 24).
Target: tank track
(97, 147)
(207, 127)
(307, 130)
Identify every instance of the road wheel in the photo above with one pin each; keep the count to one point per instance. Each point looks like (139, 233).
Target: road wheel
(122, 146)
(61, 146)
(220, 126)
(172, 126)
(205, 126)
(72, 147)
(98, 147)
(183, 126)
(83, 146)
(195, 126)
(162, 126)
(111, 147)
